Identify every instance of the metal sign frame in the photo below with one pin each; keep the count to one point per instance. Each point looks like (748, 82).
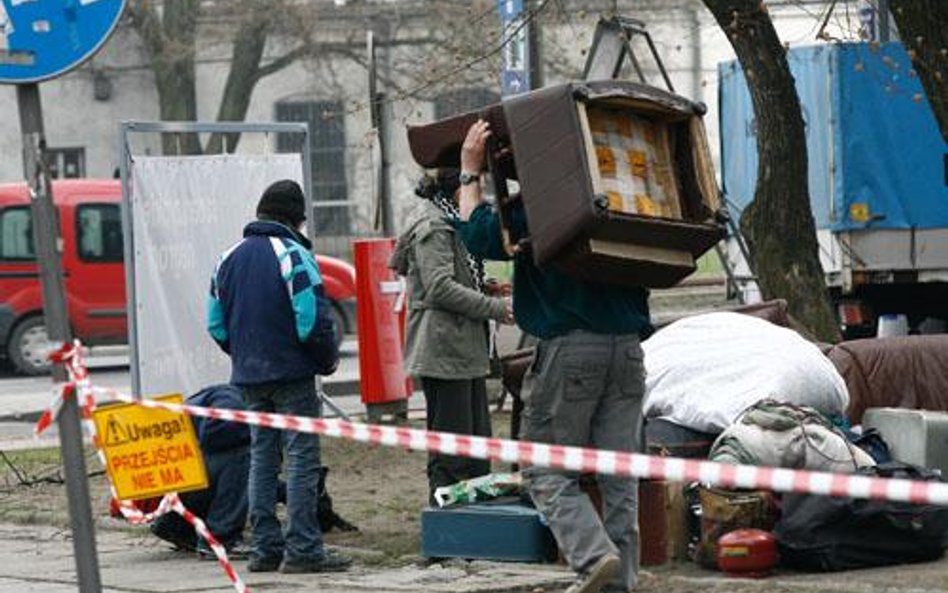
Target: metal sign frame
(136, 127)
(612, 43)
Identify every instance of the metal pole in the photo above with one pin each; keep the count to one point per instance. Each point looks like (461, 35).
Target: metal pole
(883, 21)
(380, 112)
(535, 47)
(385, 139)
(47, 244)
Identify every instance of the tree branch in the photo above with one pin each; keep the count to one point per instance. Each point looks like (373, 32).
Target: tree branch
(283, 61)
(144, 19)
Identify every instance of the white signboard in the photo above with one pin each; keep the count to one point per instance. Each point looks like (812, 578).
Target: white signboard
(185, 212)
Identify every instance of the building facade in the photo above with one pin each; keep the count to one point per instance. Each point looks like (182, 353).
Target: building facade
(434, 58)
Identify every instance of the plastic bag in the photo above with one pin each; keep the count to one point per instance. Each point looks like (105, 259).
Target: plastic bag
(480, 488)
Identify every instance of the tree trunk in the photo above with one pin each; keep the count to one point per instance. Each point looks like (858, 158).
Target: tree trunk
(923, 28)
(170, 44)
(244, 72)
(778, 223)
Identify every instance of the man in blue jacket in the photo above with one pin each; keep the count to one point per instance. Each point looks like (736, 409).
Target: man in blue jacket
(267, 310)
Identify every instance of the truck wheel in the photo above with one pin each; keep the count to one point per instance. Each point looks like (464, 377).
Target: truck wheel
(29, 345)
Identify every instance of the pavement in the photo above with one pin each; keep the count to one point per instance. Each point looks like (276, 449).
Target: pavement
(39, 559)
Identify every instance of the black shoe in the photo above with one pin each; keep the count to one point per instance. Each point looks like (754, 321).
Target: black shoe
(264, 564)
(235, 551)
(182, 542)
(330, 562)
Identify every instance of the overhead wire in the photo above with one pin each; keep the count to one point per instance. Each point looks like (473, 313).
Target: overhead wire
(412, 92)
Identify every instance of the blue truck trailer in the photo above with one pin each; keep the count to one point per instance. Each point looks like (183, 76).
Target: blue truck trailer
(878, 180)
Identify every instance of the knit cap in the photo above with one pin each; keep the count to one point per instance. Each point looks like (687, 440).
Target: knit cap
(283, 201)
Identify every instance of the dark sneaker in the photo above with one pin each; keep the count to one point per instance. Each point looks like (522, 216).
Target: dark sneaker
(182, 542)
(235, 551)
(264, 564)
(596, 577)
(330, 562)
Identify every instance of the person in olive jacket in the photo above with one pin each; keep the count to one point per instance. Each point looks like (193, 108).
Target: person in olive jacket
(446, 340)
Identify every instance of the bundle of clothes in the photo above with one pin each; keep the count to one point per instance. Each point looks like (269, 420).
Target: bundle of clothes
(738, 389)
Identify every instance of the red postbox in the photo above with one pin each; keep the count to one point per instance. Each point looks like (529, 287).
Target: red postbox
(380, 295)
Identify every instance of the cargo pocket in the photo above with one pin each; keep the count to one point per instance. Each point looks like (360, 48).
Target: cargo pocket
(584, 380)
(632, 373)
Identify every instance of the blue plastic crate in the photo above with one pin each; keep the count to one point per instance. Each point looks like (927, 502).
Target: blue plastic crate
(503, 532)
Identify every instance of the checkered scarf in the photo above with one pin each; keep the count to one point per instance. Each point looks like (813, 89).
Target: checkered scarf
(446, 204)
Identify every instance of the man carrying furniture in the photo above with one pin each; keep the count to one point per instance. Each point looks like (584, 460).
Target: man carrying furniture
(584, 387)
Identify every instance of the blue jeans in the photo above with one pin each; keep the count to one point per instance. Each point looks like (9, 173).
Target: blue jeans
(302, 538)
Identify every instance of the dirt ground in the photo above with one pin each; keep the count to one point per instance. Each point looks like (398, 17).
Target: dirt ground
(379, 489)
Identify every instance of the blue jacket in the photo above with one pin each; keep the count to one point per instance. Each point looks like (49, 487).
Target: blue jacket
(267, 309)
(219, 435)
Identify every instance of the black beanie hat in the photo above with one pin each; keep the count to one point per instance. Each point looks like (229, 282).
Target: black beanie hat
(283, 201)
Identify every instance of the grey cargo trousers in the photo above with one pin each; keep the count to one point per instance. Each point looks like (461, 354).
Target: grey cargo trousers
(586, 390)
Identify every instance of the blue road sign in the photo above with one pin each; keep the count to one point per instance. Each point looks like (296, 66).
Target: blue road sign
(515, 72)
(42, 39)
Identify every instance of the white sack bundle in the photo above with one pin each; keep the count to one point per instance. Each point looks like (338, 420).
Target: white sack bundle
(703, 371)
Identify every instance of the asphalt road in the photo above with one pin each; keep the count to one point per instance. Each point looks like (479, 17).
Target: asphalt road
(22, 399)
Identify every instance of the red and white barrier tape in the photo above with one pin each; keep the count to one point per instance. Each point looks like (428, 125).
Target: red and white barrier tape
(79, 383)
(580, 459)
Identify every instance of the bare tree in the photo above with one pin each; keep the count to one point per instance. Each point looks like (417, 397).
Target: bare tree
(778, 224)
(923, 27)
(169, 31)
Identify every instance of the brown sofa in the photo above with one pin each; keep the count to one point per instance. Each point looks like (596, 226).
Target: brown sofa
(903, 372)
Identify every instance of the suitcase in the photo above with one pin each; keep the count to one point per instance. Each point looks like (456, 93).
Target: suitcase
(918, 437)
(501, 532)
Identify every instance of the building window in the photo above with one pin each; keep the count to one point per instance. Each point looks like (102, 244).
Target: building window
(327, 145)
(66, 163)
(462, 100)
(99, 233)
(16, 234)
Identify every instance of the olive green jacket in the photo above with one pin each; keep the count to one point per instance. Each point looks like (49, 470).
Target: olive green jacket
(446, 337)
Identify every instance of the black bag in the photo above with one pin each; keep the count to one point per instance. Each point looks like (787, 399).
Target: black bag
(328, 518)
(824, 533)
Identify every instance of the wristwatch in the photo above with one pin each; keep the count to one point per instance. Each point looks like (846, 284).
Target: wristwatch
(467, 178)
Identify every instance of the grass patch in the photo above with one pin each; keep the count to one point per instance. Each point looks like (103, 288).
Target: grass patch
(709, 264)
(33, 491)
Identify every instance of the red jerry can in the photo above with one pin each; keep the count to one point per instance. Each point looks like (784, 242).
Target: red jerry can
(380, 312)
(747, 553)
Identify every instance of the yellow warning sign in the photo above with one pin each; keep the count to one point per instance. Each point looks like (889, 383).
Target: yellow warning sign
(148, 451)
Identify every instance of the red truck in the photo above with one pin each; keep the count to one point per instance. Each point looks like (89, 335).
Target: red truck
(92, 257)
